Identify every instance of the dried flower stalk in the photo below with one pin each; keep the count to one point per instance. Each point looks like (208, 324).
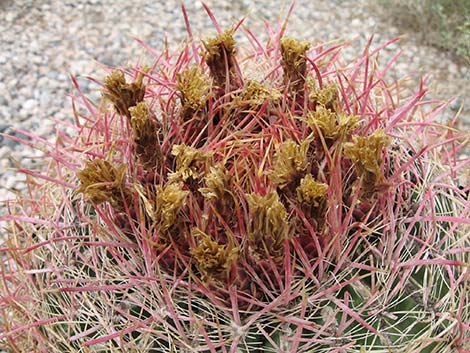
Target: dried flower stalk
(146, 136)
(123, 95)
(194, 88)
(268, 225)
(101, 182)
(213, 260)
(294, 62)
(366, 154)
(220, 57)
(290, 161)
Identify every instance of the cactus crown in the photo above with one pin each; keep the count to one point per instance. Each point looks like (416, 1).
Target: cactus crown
(205, 210)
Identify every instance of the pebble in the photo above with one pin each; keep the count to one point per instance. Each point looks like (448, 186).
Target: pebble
(30, 104)
(356, 23)
(4, 151)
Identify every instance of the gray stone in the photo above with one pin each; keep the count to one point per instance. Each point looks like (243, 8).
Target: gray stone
(45, 99)
(4, 151)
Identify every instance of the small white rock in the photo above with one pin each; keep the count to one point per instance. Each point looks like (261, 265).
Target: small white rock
(356, 23)
(30, 104)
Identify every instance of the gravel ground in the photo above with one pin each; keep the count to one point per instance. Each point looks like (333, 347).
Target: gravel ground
(43, 42)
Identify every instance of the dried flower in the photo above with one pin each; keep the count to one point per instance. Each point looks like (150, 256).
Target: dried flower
(220, 52)
(194, 88)
(101, 182)
(216, 182)
(290, 161)
(346, 123)
(327, 96)
(366, 153)
(255, 94)
(311, 191)
(170, 200)
(268, 226)
(294, 62)
(332, 125)
(189, 162)
(213, 260)
(325, 120)
(123, 95)
(146, 136)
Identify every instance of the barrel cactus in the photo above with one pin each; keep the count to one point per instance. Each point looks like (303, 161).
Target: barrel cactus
(266, 198)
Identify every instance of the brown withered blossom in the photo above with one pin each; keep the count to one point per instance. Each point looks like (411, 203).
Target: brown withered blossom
(123, 95)
(100, 181)
(213, 260)
(194, 88)
(366, 154)
(311, 191)
(290, 161)
(294, 62)
(190, 162)
(268, 225)
(255, 94)
(169, 201)
(220, 57)
(327, 96)
(346, 123)
(325, 120)
(332, 125)
(146, 136)
(216, 182)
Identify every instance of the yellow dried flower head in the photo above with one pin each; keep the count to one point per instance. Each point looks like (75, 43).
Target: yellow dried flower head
(101, 182)
(311, 191)
(221, 40)
(366, 153)
(327, 96)
(213, 260)
(332, 125)
(194, 88)
(216, 182)
(293, 53)
(220, 51)
(255, 94)
(324, 119)
(294, 61)
(289, 162)
(268, 226)
(170, 200)
(189, 161)
(146, 131)
(140, 114)
(123, 95)
(347, 123)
